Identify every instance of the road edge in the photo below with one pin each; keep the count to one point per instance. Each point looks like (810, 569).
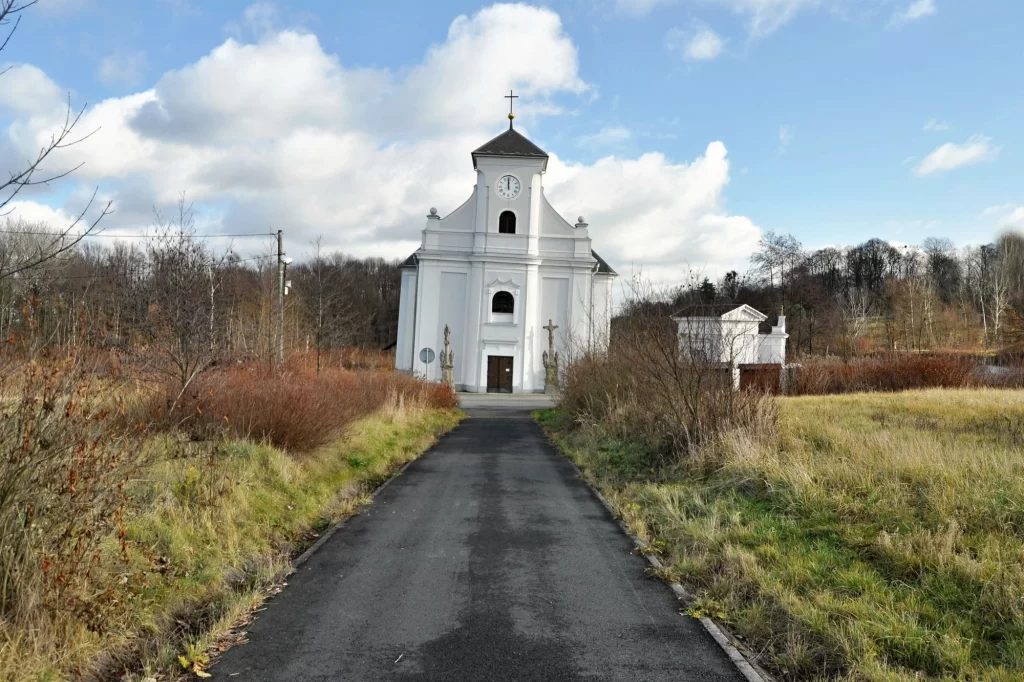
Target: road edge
(740, 656)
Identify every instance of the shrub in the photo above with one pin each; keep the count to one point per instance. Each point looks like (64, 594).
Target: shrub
(295, 408)
(644, 392)
(66, 455)
(891, 372)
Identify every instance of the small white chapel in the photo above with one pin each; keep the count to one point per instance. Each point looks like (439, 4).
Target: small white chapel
(507, 275)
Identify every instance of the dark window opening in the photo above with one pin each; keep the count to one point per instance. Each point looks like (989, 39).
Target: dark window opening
(507, 222)
(503, 303)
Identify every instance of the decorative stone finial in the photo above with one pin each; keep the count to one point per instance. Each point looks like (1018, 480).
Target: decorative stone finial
(580, 220)
(433, 211)
(580, 223)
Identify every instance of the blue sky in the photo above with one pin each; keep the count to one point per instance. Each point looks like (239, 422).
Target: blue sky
(839, 120)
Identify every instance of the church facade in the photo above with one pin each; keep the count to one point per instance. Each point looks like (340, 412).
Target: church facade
(501, 271)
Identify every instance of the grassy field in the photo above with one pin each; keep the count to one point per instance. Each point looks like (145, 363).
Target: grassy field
(878, 538)
(210, 532)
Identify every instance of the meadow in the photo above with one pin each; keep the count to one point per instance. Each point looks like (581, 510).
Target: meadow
(137, 535)
(873, 536)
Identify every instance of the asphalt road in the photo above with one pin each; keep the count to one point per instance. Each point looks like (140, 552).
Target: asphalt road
(487, 560)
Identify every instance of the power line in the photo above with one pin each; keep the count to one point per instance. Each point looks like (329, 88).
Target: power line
(134, 236)
(108, 276)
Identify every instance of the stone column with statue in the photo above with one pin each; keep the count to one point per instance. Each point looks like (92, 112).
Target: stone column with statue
(448, 360)
(551, 361)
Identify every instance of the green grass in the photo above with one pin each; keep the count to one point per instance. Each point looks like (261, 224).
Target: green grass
(880, 539)
(211, 533)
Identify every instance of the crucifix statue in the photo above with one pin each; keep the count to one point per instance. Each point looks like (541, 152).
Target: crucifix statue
(551, 360)
(448, 360)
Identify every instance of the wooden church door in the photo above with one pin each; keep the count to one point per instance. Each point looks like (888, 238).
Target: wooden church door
(499, 374)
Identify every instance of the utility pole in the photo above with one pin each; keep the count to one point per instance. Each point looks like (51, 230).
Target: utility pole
(280, 297)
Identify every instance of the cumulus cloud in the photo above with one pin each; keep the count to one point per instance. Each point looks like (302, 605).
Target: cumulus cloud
(700, 43)
(916, 10)
(27, 89)
(277, 133)
(977, 149)
(657, 213)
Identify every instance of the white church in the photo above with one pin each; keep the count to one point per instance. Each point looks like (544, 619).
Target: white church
(502, 271)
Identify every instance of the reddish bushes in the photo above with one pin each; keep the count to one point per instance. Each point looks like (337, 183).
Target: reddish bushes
(893, 372)
(295, 409)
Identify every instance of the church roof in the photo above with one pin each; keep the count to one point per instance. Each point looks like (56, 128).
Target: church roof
(510, 143)
(602, 265)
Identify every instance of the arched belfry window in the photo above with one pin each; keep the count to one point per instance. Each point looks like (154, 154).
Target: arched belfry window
(507, 222)
(503, 303)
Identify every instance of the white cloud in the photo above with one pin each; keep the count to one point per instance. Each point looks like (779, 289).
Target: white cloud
(654, 212)
(278, 133)
(785, 137)
(763, 16)
(640, 7)
(1008, 216)
(25, 89)
(916, 10)
(63, 7)
(934, 126)
(1014, 220)
(606, 136)
(126, 69)
(977, 149)
(32, 212)
(767, 16)
(699, 44)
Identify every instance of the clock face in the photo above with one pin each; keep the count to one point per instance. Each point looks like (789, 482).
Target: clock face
(508, 187)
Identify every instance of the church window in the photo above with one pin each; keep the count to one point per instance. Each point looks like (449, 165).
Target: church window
(503, 303)
(507, 222)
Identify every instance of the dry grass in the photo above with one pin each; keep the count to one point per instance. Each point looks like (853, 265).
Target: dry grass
(879, 539)
(198, 530)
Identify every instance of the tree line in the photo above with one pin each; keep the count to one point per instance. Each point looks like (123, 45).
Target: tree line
(881, 296)
(177, 296)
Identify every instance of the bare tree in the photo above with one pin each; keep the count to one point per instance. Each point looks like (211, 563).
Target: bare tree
(854, 308)
(35, 173)
(181, 304)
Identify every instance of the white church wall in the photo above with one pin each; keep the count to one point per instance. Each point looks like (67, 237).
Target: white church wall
(406, 313)
(429, 286)
(602, 308)
(545, 265)
(554, 306)
(579, 309)
(461, 219)
(502, 335)
(554, 225)
(523, 170)
(452, 312)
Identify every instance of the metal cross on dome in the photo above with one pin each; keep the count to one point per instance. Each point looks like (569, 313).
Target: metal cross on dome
(510, 97)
